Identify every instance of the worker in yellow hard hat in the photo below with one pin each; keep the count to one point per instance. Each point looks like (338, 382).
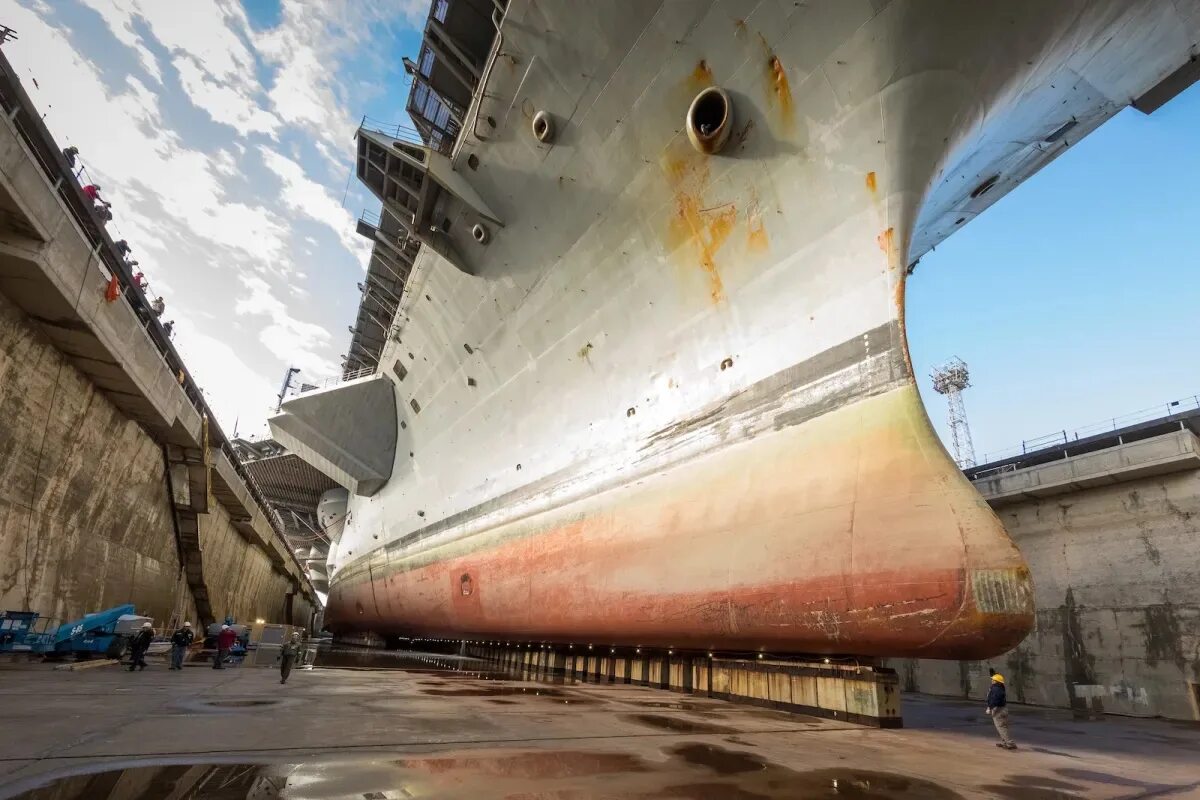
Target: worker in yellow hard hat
(997, 709)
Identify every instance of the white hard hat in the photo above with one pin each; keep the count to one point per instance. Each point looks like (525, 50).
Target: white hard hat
(187, 624)
(224, 627)
(147, 625)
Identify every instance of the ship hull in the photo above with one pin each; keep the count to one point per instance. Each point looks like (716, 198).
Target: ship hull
(669, 402)
(798, 541)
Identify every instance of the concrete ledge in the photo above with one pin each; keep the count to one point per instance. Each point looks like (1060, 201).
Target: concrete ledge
(347, 432)
(1160, 455)
(48, 269)
(250, 520)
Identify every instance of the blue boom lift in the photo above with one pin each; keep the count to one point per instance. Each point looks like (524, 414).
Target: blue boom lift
(103, 633)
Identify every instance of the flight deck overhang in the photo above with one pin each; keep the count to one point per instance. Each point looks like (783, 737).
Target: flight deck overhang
(347, 432)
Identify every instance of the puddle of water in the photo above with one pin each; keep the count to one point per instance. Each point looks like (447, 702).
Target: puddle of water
(1029, 793)
(718, 759)
(689, 771)
(863, 784)
(678, 705)
(1101, 777)
(1045, 783)
(714, 791)
(536, 691)
(675, 724)
(1036, 787)
(443, 667)
(495, 691)
(542, 765)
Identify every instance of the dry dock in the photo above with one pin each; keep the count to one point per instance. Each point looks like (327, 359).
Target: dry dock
(430, 728)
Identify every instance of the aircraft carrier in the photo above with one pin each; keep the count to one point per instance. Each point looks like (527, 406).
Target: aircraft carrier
(633, 328)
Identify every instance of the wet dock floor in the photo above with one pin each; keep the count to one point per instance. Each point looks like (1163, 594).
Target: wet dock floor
(385, 725)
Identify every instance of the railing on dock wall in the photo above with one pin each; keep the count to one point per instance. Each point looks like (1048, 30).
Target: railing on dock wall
(1065, 437)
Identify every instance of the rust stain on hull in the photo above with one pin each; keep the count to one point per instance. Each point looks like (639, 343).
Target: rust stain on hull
(756, 232)
(756, 236)
(694, 226)
(779, 90)
(820, 567)
(887, 244)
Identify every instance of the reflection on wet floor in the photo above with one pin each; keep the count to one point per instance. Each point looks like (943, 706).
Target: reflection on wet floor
(445, 674)
(682, 771)
(676, 724)
(674, 768)
(673, 747)
(444, 666)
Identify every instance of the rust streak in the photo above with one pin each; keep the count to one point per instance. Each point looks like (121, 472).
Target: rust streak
(756, 232)
(704, 228)
(886, 242)
(871, 186)
(779, 91)
(702, 75)
(756, 237)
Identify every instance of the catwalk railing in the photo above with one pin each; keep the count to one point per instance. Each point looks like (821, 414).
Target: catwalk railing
(1068, 437)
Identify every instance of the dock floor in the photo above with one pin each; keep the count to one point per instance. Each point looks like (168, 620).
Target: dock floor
(428, 729)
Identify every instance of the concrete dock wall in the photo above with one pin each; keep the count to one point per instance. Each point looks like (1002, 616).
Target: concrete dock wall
(242, 579)
(1113, 541)
(85, 521)
(94, 404)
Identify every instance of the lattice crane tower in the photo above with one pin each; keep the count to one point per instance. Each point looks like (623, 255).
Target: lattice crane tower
(950, 379)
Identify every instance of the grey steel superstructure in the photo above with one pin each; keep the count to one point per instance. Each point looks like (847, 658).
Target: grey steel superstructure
(637, 392)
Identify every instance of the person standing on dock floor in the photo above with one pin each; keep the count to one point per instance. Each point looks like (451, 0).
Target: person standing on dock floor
(225, 640)
(997, 702)
(181, 640)
(289, 654)
(139, 646)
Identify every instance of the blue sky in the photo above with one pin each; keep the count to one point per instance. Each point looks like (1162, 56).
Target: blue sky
(223, 136)
(1075, 298)
(222, 132)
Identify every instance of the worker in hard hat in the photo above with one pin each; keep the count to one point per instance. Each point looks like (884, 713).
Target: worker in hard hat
(289, 654)
(997, 709)
(181, 640)
(139, 645)
(225, 640)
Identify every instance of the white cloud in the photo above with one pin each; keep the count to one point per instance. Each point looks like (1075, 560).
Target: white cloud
(224, 102)
(313, 37)
(118, 16)
(305, 196)
(216, 68)
(297, 343)
(228, 254)
(245, 396)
